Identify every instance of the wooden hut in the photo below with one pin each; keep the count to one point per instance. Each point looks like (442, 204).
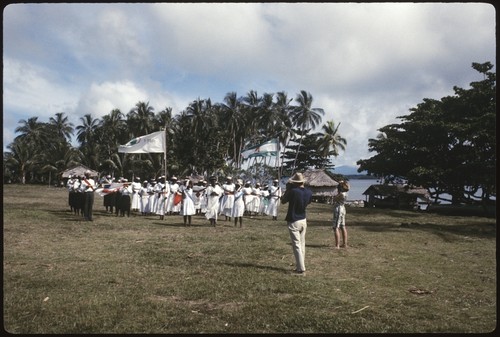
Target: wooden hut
(321, 183)
(395, 196)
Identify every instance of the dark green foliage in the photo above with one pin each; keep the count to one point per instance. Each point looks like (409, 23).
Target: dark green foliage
(447, 145)
(203, 139)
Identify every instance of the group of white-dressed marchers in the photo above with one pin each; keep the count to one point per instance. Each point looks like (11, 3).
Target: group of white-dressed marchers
(232, 199)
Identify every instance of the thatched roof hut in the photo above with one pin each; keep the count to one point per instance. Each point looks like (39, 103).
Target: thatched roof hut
(78, 171)
(396, 196)
(321, 183)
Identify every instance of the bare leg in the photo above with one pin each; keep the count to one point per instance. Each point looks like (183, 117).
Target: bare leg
(337, 237)
(344, 237)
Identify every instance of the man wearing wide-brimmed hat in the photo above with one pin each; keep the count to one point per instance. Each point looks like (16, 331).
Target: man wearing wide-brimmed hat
(297, 197)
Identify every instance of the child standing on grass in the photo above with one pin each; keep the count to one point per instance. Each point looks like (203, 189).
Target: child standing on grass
(339, 214)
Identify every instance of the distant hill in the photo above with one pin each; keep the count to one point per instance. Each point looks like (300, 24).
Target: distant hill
(351, 172)
(348, 170)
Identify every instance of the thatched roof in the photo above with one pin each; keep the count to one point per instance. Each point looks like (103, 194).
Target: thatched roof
(319, 178)
(394, 190)
(78, 171)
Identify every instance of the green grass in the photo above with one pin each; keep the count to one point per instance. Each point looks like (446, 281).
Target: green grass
(404, 272)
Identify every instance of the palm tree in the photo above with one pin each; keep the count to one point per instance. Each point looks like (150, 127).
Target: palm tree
(140, 119)
(284, 114)
(113, 131)
(88, 134)
(331, 141)
(304, 116)
(250, 112)
(86, 131)
(32, 132)
(165, 121)
(232, 117)
(62, 125)
(21, 158)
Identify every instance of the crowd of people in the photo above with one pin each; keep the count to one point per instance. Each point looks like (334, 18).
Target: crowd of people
(231, 199)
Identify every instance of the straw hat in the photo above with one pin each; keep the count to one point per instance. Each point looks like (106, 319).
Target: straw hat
(297, 178)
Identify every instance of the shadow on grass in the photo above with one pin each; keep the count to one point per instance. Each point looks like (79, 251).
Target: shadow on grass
(478, 230)
(175, 224)
(256, 266)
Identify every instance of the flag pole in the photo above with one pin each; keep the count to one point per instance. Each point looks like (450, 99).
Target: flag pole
(165, 151)
(278, 160)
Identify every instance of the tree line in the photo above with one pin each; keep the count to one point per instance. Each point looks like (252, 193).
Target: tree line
(447, 146)
(203, 139)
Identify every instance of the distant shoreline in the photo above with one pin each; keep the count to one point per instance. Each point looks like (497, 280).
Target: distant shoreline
(359, 176)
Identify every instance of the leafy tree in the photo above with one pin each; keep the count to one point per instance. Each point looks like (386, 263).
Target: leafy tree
(447, 145)
(305, 155)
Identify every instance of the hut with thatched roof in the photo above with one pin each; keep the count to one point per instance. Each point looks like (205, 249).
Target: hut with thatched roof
(395, 196)
(321, 184)
(78, 171)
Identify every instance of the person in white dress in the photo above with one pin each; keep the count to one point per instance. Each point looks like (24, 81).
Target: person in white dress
(144, 198)
(256, 199)
(172, 207)
(248, 198)
(264, 199)
(239, 205)
(198, 195)
(274, 199)
(136, 200)
(152, 198)
(187, 209)
(228, 198)
(214, 192)
(163, 191)
(203, 197)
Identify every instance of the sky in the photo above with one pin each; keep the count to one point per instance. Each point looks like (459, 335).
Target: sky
(364, 64)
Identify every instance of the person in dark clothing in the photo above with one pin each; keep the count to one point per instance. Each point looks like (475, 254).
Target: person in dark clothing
(297, 197)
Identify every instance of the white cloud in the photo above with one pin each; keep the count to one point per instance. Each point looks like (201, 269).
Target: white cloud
(32, 89)
(363, 63)
(101, 98)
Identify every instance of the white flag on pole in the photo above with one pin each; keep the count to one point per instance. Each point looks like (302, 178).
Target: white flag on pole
(269, 148)
(152, 143)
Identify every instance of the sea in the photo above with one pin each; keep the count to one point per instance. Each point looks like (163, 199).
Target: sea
(357, 187)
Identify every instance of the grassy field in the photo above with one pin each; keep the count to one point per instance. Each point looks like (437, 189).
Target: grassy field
(404, 272)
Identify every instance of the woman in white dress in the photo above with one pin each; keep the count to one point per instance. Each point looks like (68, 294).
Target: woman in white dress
(274, 199)
(248, 198)
(136, 199)
(187, 208)
(163, 193)
(144, 198)
(214, 192)
(239, 205)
